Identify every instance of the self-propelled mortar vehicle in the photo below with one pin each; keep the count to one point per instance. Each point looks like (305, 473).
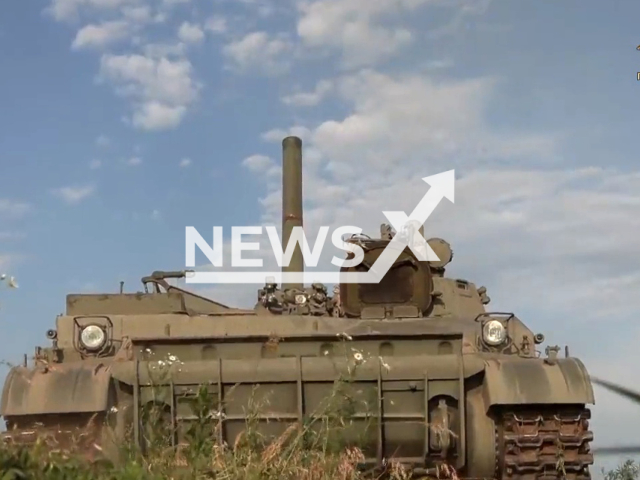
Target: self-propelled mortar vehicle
(450, 379)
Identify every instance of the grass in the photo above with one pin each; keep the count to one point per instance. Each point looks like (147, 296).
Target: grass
(321, 448)
(286, 457)
(315, 450)
(301, 452)
(629, 470)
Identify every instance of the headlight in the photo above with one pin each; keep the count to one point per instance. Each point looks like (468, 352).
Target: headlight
(301, 299)
(494, 333)
(92, 337)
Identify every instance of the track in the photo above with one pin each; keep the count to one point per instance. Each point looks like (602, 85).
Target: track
(544, 443)
(65, 433)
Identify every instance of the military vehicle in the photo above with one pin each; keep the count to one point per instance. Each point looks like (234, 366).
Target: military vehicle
(451, 380)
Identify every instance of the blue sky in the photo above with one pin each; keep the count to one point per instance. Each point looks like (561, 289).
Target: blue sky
(122, 121)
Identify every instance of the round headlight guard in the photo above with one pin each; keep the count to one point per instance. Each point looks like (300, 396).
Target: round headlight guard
(494, 333)
(92, 337)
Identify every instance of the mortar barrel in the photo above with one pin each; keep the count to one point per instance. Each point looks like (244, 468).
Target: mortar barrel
(292, 202)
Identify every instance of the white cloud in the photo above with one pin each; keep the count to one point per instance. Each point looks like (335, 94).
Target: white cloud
(155, 215)
(257, 162)
(161, 79)
(102, 35)
(264, 8)
(366, 32)
(216, 24)
(400, 128)
(139, 14)
(70, 9)
(277, 134)
(162, 50)
(260, 164)
(74, 194)
(259, 51)
(103, 141)
(160, 82)
(185, 162)
(13, 208)
(190, 33)
(64, 9)
(355, 28)
(161, 89)
(460, 18)
(309, 99)
(95, 164)
(158, 116)
(134, 161)
(395, 117)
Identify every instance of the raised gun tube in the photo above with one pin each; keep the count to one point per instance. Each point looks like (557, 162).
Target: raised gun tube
(292, 202)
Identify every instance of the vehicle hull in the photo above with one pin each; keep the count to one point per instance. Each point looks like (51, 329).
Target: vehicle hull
(499, 414)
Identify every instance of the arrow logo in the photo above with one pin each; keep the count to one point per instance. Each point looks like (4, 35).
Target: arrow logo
(442, 186)
(408, 235)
